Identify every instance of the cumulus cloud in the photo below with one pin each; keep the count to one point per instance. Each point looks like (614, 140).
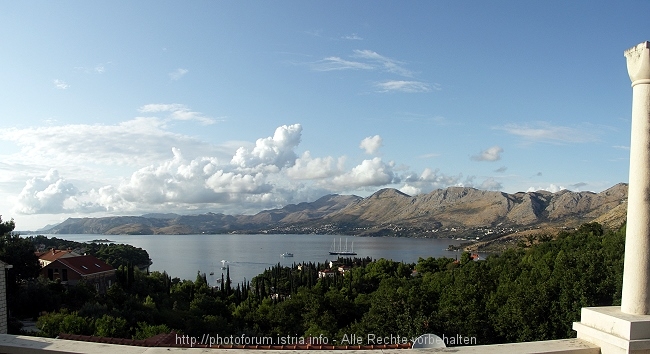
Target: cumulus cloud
(491, 184)
(501, 169)
(178, 74)
(276, 151)
(371, 144)
(50, 194)
(181, 181)
(373, 172)
(490, 154)
(231, 182)
(309, 168)
(553, 188)
(403, 86)
(248, 178)
(427, 181)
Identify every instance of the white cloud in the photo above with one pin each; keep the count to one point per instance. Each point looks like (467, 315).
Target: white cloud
(371, 144)
(429, 156)
(176, 112)
(553, 188)
(353, 37)
(403, 86)
(410, 190)
(60, 84)
(369, 173)
(134, 142)
(427, 181)
(308, 168)
(490, 154)
(369, 60)
(491, 184)
(178, 74)
(545, 132)
(276, 151)
(178, 182)
(51, 194)
(243, 178)
(230, 182)
(336, 63)
(384, 63)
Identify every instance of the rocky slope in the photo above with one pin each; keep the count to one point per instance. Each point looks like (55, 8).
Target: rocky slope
(469, 208)
(447, 212)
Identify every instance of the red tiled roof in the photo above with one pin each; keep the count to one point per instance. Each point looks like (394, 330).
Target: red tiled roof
(86, 265)
(171, 340)
(52, 255)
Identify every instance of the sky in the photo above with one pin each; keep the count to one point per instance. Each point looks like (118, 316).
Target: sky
(126, 108)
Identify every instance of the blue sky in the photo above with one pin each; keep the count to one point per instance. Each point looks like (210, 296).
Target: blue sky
(124, 108)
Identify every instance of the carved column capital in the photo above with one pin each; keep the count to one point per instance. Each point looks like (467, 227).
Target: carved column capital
(638, 63)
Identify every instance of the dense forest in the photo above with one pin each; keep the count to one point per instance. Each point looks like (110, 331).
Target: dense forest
(531, 292)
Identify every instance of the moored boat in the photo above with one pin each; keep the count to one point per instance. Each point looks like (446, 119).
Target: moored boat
(342, 251)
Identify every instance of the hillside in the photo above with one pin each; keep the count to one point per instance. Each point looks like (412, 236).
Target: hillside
(202, 223)
(451, 212)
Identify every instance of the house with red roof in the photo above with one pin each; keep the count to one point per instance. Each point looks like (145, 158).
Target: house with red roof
(47, 257)
(72, 270)
(325, 273)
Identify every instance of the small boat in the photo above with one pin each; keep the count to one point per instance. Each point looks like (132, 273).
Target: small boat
(286, 254)
(223, 264)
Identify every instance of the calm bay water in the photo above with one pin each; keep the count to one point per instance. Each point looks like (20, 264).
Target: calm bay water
(248, 255)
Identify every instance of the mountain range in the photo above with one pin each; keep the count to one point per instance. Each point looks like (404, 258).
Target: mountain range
(451, 212)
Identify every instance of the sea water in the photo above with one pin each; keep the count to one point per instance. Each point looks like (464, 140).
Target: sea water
(246, 256)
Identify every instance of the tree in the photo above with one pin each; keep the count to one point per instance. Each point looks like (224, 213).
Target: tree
(18, 252)
(146, 330)
(109, 326)
(54, 323)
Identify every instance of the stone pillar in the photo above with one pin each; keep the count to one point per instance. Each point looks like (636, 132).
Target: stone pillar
(636, 274)
(3, 298)
(626, 329)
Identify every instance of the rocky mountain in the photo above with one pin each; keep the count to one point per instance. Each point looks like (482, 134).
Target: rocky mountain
(149, 224)
(444, 212)
(463, 208)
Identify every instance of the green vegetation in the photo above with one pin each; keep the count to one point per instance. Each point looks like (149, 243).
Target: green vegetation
(524, 294)
(112, 253)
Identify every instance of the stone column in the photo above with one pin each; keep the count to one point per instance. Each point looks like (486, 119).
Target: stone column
(625, 329)
(636, 275)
